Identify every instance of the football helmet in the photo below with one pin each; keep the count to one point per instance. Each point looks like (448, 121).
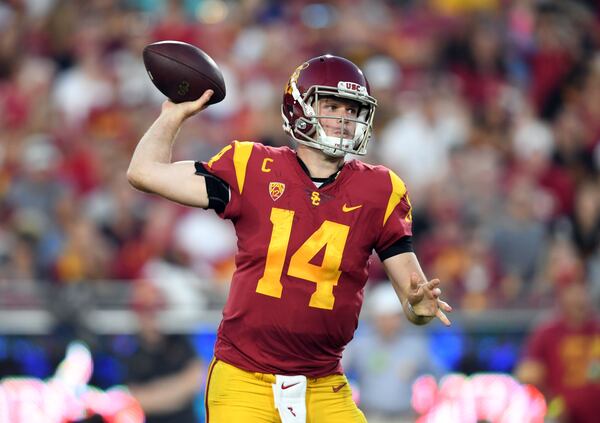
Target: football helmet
(328, 76)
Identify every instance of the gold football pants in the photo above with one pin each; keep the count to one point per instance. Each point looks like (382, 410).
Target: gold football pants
(234, 395)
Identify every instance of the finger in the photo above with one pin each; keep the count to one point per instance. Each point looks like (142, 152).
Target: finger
(207, 95)
(434, 283)
(201, 102)
(432, 293)
(440, 315)
(414, 281)
(190, 108)
(416, 295)
(431, 288)
(444, 305)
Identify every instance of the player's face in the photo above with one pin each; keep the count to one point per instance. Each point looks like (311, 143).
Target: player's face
(335, 109)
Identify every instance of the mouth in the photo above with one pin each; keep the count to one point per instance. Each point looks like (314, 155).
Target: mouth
(342, 134)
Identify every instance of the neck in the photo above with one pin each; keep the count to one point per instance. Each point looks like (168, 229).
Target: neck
(318, 163)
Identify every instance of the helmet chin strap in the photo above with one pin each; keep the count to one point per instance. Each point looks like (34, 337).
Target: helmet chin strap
(328, 143)
(331, 151)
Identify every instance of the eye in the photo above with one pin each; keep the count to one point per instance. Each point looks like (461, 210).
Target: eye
(352, 111)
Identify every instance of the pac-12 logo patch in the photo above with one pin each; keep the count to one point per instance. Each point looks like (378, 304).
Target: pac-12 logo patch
(276, 190)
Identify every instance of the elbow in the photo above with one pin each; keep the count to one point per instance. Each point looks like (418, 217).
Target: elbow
(134, 177)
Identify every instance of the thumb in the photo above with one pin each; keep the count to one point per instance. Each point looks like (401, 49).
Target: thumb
(415, 293)
(201, 102)
(195, 106)
(414, 281)
(203, 99)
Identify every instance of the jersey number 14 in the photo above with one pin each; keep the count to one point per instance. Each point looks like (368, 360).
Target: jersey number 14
(330, 235)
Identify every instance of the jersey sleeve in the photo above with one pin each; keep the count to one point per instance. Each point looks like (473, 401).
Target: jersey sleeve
(397, 217)
(230, 165)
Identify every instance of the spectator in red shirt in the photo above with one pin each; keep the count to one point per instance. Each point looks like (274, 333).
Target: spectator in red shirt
(562, 356)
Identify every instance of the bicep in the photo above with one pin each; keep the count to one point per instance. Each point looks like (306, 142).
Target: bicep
(176, 182)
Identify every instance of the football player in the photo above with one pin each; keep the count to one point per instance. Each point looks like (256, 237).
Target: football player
(307, 221)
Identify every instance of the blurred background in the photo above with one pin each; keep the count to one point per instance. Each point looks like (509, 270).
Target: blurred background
(488, 109)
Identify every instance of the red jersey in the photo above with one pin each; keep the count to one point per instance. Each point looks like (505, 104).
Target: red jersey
(302, 257)
(571, 356)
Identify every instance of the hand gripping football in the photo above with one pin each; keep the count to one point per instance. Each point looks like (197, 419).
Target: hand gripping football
(183, 72)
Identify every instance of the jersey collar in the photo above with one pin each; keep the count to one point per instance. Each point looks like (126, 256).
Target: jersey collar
(323, 181)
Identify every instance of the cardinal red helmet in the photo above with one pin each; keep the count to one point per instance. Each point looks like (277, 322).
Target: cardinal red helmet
(327, 76)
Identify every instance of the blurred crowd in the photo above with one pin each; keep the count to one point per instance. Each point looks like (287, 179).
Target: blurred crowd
(489, 110)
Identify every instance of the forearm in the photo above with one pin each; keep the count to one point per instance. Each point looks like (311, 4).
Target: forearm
(154, 148)
(399, 269)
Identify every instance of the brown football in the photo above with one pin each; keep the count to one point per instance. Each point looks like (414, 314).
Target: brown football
(182, 71)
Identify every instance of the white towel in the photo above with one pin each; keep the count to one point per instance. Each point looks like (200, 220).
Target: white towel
(289, 393)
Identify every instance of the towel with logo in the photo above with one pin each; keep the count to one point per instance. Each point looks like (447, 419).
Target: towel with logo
(289, 393)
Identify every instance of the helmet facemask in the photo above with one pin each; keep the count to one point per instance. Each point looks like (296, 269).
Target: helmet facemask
(308, 128)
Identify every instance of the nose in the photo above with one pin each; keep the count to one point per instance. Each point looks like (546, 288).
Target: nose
(342, 114)
(343, 120)
(346, 113)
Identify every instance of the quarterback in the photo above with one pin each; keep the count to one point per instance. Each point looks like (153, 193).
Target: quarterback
(307, 221)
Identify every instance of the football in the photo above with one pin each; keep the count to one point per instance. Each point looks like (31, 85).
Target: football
(182, 71)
